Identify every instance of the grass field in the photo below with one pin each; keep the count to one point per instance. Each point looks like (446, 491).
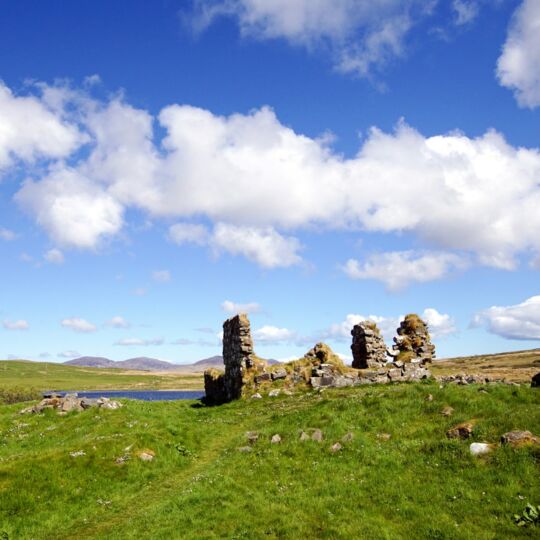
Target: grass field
(48, 376)
(417, 484)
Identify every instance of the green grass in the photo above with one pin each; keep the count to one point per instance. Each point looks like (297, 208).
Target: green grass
(416, 485)
(48, 376)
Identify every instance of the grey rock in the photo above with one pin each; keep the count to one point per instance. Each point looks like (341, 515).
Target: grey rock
(276, 439)
(279, 374)
(317, 435)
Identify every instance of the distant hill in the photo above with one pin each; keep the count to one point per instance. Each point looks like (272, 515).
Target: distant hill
(92, 361)
(144, 363)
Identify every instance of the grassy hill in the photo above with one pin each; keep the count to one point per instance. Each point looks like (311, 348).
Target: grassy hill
(398, 478)
(518, 366)
(48, 376)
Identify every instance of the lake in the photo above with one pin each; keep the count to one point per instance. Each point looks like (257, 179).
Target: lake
(144, 395)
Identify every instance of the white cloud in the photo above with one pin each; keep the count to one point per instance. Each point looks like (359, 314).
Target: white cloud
(184, 233)
(129, 342)
(232, 307)
(30, 130)
(161, 276)
(68, 354)
(118, 322)
(439, 324)
(74, 210)
(16, 325)
(78, 325)
(257, 183)
(273, 334)
(266, 247)
(518, 67)
(398, 269)
(359, 34)
(6, 234)
(521, 321)
(465, 11)
(54, 256)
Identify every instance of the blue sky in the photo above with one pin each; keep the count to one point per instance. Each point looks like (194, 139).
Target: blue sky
(165, 164)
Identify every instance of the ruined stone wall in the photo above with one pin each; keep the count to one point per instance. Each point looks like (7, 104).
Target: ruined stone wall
(368, 347)
(413, 341)
(237, 354)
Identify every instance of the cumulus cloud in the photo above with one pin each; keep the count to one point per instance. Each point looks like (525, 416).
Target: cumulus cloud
(16, 325)
(73, 209)
(273, 335)
(440, 324)
(400, 268)
(521, 321)
(257, 182)
(266, 247)
(79, 325)
(518, 67)
(54, 256)
(161, 276)
(232, 307)
(359, 34)
(31, 130)
(118, 322)
(6, 234)
(130, 342)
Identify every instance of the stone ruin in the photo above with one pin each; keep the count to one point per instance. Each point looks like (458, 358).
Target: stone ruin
(413, 341)
(238, 358)
(368, 347)
(320, 367)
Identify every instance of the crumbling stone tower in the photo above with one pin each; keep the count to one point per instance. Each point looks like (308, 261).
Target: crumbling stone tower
(413, 341)
(368, 347)
(237, 354)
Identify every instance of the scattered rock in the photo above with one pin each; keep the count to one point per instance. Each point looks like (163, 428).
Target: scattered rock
(335, 448)
(384, 436)
(263, 377)
(447, 411)
(276, 439)
(256, 396)
(461, 431)
(429, 397)
(280, 373)
(304, 436)
(122, 459)
(79, 453)
(517, 439)
(69, 403)
(274, 393)
(347, 437)
(317, 435)
(245, 449)
(147, 455)
(252, 436)
(480, 448)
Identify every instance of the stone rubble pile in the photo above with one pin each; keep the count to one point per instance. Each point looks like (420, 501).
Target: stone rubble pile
(413, 340)
(368, 347)
(70, 402)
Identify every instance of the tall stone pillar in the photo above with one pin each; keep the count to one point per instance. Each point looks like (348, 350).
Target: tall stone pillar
(368, 347)
(237, 354)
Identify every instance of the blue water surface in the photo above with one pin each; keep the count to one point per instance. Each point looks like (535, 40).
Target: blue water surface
(144, 395)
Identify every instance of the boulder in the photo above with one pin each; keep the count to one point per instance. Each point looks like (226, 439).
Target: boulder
(276, 439)
(280, 373)
(461, 431)
(479, 448)
(517, 439)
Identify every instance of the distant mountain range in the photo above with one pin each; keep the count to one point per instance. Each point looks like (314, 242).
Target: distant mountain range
(144, 363)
